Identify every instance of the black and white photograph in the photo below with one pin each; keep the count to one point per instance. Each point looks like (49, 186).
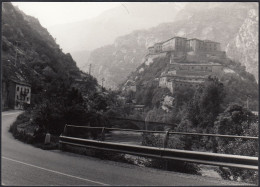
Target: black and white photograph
(129, 93)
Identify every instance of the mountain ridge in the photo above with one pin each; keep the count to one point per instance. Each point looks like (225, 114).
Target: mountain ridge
(99, 31)
(221, 22)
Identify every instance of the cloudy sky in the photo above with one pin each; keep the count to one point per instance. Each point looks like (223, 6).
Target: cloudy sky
(53, 13)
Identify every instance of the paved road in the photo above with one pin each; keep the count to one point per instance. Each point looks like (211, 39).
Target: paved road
(23, 164)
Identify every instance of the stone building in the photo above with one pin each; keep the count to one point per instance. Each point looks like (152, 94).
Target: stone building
(190, 61)
(184, 75)
(158, 47)
(196, 69)
(15, 94)
(174, 44)
(151, 50)
(184, 45)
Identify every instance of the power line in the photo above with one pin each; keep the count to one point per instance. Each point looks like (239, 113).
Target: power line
(125, 8)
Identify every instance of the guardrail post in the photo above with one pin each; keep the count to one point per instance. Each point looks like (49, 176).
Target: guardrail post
(165, 143)
(103, 134)
(166, 138)
(61, 145)
(65, 131)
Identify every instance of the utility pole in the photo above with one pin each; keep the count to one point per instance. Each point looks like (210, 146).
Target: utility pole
(102, 80)
(247, 101)
(15, 57)
(89, 71)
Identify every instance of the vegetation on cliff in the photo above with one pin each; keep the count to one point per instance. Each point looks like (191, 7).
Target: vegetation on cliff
(61, 93)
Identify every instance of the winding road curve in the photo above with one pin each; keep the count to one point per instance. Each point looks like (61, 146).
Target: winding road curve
(23, 164)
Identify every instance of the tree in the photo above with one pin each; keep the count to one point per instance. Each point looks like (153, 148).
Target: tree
(236, 120)
(206, 104)
(183, 96)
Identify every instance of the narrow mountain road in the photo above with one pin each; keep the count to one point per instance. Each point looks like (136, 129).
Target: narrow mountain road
(23, 164)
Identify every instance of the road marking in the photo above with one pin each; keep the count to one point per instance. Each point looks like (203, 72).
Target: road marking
(10, 114)
(55, 171)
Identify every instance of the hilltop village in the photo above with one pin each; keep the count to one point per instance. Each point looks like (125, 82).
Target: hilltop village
(190, 62)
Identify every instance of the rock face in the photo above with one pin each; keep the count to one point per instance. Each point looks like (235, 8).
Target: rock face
(234, 25)
(244, 47)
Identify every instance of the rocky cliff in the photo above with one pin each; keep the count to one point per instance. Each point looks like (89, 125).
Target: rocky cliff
(244, 46)
(222, 22)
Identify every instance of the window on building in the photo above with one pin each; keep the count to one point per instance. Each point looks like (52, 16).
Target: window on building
(17, 88)
(27, 98)
(17, 97)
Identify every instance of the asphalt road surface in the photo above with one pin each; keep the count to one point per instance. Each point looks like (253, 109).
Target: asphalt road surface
(23, 164)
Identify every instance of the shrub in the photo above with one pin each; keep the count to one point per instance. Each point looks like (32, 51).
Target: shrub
(237, 120)
(172, 165)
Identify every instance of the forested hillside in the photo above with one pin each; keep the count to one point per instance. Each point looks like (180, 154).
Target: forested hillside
(238, 84)
(29, 53)
(61, 93)
(217, 106)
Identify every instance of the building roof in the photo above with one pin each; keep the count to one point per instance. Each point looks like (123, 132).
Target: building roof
(189, 76)
(159, 43)
(20, 82)
(210, 41)
(206, 41)
(173, 38)
(195, 39)
(188, 81)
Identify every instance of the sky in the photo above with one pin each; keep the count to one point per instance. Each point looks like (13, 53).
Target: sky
(53, 13)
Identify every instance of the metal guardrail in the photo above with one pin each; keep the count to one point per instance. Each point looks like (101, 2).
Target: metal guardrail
(170, 132)
(217, 159)
(142, 121)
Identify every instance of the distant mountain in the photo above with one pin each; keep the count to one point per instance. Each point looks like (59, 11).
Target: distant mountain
(81, 58)
(245, 45)
(234, 25)
(118, 21)
(30, 53)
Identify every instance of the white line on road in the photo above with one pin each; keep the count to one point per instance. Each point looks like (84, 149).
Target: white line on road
(55, 171)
